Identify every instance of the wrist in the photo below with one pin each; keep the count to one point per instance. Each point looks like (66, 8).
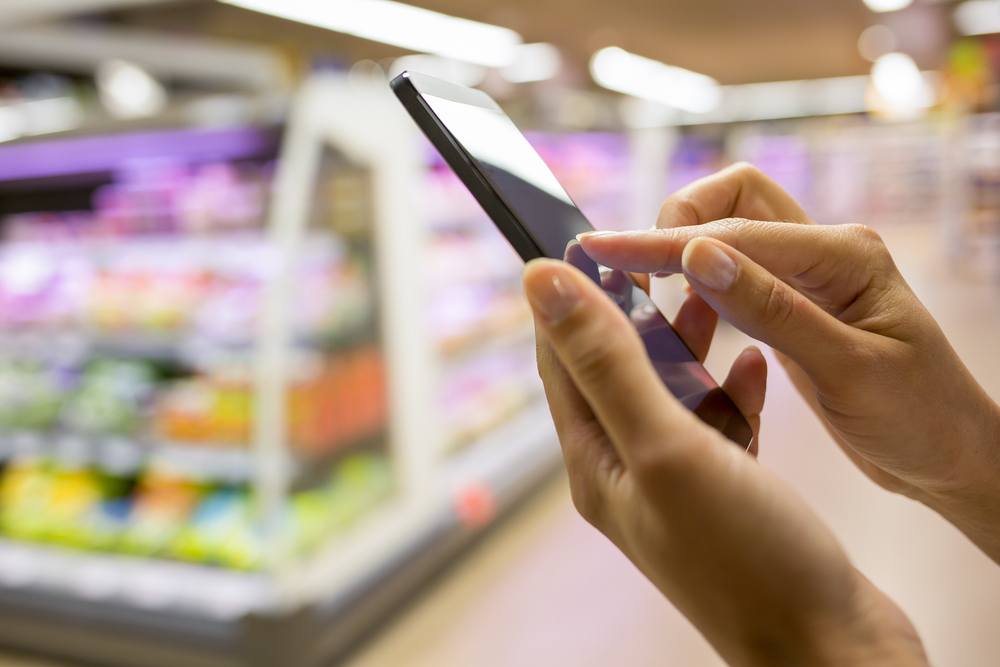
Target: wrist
(971, 499)
(869, 632)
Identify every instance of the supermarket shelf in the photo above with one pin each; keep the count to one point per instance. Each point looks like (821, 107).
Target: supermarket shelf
(499, 459)
(457, 351)
(164, 348)
(137, 582)
(514, 322)
(124, 456)
(223, 463)
(159, 614)
(41, 344)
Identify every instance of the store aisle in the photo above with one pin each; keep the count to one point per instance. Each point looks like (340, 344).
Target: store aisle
(546, 589)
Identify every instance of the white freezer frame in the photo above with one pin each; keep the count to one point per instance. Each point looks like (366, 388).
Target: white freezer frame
(363, 122)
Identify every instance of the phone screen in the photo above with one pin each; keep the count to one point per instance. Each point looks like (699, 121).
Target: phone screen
(530, 191)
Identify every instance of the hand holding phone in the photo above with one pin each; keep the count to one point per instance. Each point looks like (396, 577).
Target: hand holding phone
(525, 200)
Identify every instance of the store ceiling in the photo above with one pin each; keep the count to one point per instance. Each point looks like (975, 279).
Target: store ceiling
(734, 41)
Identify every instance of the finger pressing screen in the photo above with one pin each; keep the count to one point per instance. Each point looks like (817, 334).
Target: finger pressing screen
(785, 250)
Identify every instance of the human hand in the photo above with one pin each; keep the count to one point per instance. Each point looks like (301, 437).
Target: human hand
(725, 540)
(857, 343)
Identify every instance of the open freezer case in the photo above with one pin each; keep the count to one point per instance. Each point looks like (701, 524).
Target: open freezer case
(250, 392)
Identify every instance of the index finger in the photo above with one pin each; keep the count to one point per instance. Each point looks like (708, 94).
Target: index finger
(785, 250)
(739, 191)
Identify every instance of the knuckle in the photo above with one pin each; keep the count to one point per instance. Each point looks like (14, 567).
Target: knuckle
(865, 235)
(587, 503)
(730, 224)
(871, 243)
(667, 209)
(677, 211)
(593, 357)
(746, 171)
(779, 303)
(728, 228)
(662, 464)
(650, 463)
(863, 232)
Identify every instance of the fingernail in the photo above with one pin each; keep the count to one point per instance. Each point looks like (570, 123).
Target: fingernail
(707, 263)
(553, 297)
(594, 235)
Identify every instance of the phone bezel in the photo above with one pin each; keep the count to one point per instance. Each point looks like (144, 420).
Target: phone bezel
(409, 88)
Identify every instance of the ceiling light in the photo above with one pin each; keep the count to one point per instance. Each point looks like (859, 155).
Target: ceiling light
(901, 89)
(533, 62)
(875, 41)
(11, 124)
(401, 25)
(48, 116)
(770, 100)
(798, 98)
(36, 117)
(449, 69)
(978, 17)
(887, 5)
(128, 91)
(624, 72)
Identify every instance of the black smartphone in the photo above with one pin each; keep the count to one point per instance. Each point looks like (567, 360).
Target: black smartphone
(525, 200)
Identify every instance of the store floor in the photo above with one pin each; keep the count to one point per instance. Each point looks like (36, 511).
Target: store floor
(546, 589)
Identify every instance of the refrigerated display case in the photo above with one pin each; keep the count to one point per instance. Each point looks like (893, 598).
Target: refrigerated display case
(252, 388)
(939, 172)
(974, 220)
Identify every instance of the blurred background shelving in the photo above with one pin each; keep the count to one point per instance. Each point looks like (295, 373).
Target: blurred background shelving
(265, 365)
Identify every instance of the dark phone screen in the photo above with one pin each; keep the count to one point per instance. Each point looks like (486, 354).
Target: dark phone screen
(530, 190)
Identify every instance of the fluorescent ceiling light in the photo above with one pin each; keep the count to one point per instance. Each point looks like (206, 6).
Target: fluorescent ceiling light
(978, 17)
(401, 25)
(12, 124)
(449, 69)
(792, 99)
(533, 62)
(36, 117)
(624, 72)
(772, 100)
(128, 91)
(887, 5)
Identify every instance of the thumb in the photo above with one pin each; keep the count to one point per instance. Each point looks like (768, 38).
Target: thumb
(766, 308)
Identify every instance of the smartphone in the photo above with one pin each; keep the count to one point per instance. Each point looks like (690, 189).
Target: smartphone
(524, 199)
